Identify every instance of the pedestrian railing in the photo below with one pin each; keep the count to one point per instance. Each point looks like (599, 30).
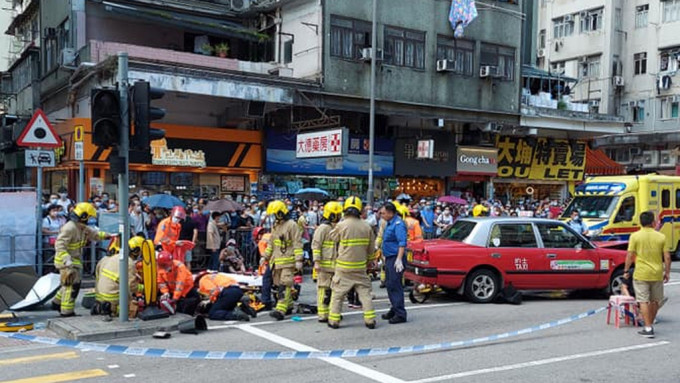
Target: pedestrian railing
(245, 244)
(21, 245)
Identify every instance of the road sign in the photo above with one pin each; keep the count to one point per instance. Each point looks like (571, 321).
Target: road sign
(78, 150)
(39, 158)
(78, 133)
(39, 133)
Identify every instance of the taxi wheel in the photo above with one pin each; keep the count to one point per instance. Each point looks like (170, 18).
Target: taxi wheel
(482, 286)
(616, 282)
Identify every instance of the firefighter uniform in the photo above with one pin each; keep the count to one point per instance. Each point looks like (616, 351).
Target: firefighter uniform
(107, 282)
(378, 244)
(323, 252)
(356, 248)
(72, 238)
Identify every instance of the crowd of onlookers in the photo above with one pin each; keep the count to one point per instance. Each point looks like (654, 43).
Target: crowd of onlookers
(236, 227)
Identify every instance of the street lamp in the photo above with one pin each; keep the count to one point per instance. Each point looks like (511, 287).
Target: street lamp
(371, 134)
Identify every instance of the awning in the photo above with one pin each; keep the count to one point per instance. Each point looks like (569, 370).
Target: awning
(530, 71)
(599, 164)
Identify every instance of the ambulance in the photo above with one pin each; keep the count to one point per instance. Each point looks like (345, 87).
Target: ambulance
(610, 206)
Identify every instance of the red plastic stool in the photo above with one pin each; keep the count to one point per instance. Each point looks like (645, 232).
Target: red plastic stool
(181, 248)
(622, 304)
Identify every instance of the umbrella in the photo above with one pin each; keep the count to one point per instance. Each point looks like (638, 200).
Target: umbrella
(403, 196)
(313, 194)
(453, 199)
(224, 205)
(164, 201)
(43, 290)
(15, 282)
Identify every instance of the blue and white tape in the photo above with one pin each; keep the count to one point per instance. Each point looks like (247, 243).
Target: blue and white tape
(269, 355)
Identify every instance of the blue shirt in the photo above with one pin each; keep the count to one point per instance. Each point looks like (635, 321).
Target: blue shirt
(394, 237)
(578, 226)
(428, 216)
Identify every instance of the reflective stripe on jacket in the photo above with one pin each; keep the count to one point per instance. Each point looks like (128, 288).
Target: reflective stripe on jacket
(323, 248)
(356, 245)
(284, 247)
(211, 285)
(107, 279)
(72, 238)
(176, 280)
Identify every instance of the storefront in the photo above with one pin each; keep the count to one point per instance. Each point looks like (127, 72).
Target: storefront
(422, 164)
(475, 167)
(341, 173)
(537, 168)
(189, 161)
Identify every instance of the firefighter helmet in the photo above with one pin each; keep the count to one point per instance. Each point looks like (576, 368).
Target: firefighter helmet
(179, 212)
(135, 244)
(353, 206)
(278, 209)
(83, 212)
(332, 211)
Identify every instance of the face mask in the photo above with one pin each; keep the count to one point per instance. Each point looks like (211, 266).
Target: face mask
(54, 214)
(447, 213)
(138, 209)
(315, 208)
(53, 200)
(63, 195)
(175, 220)
(253, 201)
(159, 215)
(105, 199)
(97, 204)
(195, 211)
(112, 206)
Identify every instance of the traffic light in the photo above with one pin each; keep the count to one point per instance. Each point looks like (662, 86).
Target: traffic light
(143, 94)
(105, 108)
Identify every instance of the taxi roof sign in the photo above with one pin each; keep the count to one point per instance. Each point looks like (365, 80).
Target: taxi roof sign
(39, 133)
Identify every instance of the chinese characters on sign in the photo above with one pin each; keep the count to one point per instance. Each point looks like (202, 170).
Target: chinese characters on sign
(521, 264)
(161, 155)
(425, 149)
(233, 184)
(326, 143)
(541, 158)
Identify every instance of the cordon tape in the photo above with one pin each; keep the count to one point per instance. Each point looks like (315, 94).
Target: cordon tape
(270, 355)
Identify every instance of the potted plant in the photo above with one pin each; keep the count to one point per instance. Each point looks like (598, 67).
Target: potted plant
(207, 49)
(222, 49)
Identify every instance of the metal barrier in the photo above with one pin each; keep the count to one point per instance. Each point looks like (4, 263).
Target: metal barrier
(9, 247)
(245, 244)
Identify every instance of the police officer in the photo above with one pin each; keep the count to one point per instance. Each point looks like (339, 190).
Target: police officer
(323, 252)
(284, 254)
(356, 248)
(393, 248)
(72, 238)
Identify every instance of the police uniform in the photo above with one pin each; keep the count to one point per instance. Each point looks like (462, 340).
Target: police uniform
(356, 248)
(323, 251)
(72, 238)
(284, 250)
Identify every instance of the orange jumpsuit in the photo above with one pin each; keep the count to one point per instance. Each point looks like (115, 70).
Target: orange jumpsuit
(415, 233)
(167, 234)
(176, 280)
(211, 285)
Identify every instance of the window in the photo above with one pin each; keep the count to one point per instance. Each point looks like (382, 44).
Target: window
(557, 67)
(503, 58)
(541, 39)
(590, 67)
(626, 211)
(671, 11)
(556, 236)
(591, 20)
(404, 47)
(668, 60)
(665, 198)
(461, 52)
(459, 231)
(288, 52)
(592, 206)
(513, 235)
(640, 60)
(639, 111)
(677, 198)
(618, 19)
(348, 37)
(669, 107)
(563, 26)
(641, 15)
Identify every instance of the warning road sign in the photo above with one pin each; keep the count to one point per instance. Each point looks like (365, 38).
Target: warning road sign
(39, 133)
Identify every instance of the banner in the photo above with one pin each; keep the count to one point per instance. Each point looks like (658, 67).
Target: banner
(541, 158)
(17, 227)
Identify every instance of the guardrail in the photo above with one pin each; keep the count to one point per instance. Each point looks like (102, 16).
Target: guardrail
(9, 246)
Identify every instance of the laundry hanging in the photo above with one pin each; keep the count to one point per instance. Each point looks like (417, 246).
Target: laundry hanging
(461, 15)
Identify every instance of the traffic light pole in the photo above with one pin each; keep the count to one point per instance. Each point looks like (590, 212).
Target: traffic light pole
(123, 152)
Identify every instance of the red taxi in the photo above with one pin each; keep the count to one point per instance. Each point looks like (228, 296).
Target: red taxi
(480, 257)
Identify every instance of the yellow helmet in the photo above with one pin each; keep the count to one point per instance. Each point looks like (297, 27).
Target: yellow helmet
(401, 209)
(277, 208)
(136, 244)
(83, 212)
(353, 202)
(332, 211)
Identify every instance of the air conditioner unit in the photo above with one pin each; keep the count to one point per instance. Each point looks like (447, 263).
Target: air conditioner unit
(568, 18)
(240, 5)
(664, 82)
(650, 158)
(632, 104)
(541, 53)
(367, 53)
(67, 57)
(445, 65)
(635, 152)
(281, 71)
(666, 158)
(675, 98)
(594, 103)
(488, 71)
(583, 15)
(618, 81)
(492, 127)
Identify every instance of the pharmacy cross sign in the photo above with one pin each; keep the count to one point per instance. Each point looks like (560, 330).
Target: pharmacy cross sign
(325, 143)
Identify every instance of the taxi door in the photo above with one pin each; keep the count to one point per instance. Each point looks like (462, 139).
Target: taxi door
(666, 213)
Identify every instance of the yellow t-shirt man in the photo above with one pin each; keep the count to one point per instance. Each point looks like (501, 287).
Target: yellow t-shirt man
(648, 246)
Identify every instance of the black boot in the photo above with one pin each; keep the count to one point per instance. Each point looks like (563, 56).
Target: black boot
(241, 316)
(278, 315)
(370, 325)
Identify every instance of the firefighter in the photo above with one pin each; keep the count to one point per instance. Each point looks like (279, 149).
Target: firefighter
(323, 252)
(176, 283)
(225, 294)
(356, 248)
(107, 277)
(284, 255)
(72, 238)
(378, 244)
(168, 229)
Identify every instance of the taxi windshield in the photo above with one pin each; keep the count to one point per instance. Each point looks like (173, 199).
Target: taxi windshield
(592, 206)
(459, 231)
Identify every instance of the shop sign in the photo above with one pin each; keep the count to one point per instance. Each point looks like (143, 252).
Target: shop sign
(162, 155)
(425, 149)
(476, 160)
(325, 143)
(96, 185)
(233, 184)
(540, 158)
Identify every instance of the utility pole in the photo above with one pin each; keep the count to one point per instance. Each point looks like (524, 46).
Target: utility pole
(371, 134)
(123, 152)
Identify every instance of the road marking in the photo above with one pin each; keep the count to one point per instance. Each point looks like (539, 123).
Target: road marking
(129, 376)
(39, 358)
(540, 362)
(342, 363)
(112, 366)
(346, 314)
(671, 283)
(65, 377)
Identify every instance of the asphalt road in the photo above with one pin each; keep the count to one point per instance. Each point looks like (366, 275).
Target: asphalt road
(587, 350)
